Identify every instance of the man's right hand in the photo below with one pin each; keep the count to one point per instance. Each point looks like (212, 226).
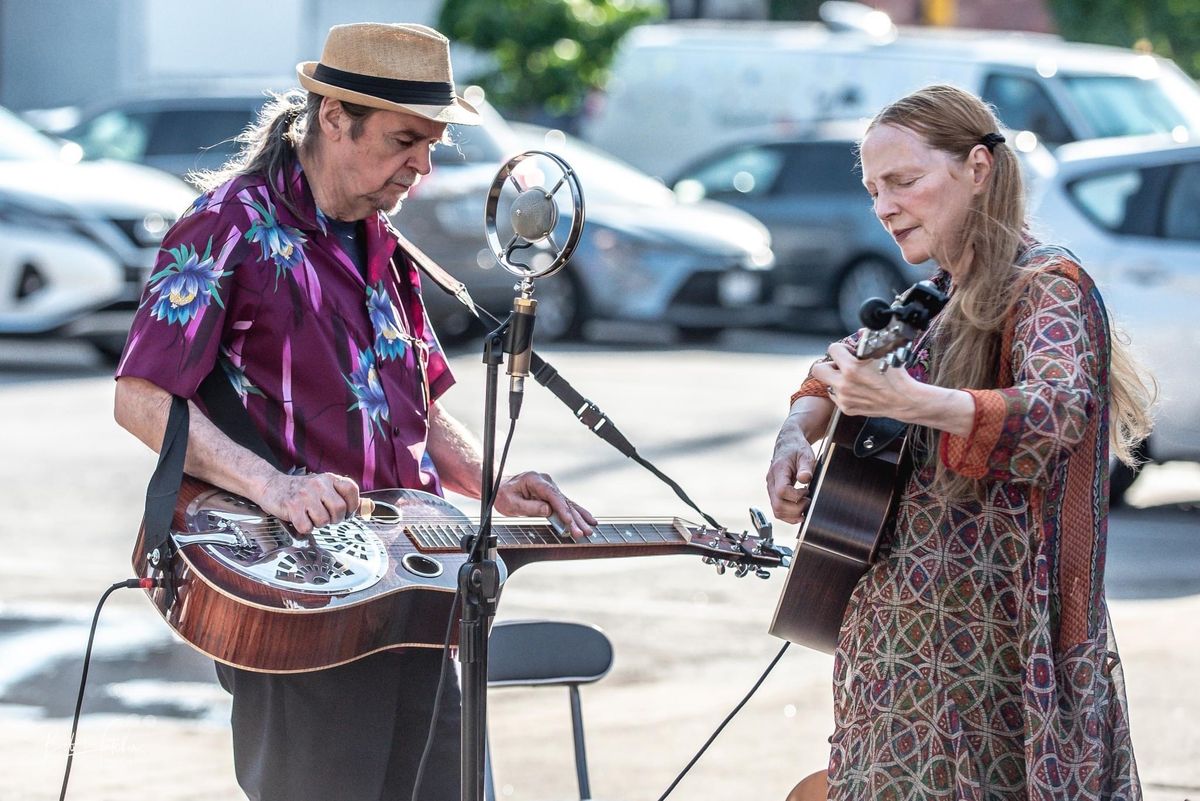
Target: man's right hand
(792, 464)
(310, 500)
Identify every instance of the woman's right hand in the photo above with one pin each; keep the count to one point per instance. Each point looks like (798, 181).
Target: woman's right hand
(792, 464)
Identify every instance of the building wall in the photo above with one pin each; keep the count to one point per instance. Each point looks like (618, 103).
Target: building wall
(75, 52)
(1015, 15)
(58, 52)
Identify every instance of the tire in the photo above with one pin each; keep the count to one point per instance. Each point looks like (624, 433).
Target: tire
(1121, 477)
(561, 309)
(108, 347)
(868, 278)
(700, 336)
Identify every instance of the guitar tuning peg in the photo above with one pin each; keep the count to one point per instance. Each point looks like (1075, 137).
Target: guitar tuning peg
(742, 570)
(720, 567)
(762, 573)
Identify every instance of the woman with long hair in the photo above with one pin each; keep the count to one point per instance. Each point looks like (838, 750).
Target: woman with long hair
(975, 658)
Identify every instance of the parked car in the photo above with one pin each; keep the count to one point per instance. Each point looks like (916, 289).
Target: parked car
(175, 133)
(643, 255)
(1130, 209)
(687, 86)
(77, 239)
(831, 252)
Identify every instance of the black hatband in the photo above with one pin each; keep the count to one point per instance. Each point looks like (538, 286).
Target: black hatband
(421, 93)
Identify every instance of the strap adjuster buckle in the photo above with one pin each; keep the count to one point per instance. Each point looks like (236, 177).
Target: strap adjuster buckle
(590, 415)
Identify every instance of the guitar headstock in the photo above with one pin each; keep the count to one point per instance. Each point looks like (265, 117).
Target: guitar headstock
(741, 552)
(892, 327)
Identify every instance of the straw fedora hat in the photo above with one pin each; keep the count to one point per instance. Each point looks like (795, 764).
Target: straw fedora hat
(396, 67)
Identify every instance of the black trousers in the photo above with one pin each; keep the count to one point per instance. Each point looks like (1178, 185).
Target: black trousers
(350, 733)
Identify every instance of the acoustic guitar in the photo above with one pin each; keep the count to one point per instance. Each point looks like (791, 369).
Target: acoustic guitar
(855, 482)
(247, 590)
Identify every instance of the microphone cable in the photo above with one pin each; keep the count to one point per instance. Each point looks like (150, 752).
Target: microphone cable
(132, 584)
(725, 722)
(485, 516)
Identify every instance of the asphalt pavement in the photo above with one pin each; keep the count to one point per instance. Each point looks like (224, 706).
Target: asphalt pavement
(688, 643)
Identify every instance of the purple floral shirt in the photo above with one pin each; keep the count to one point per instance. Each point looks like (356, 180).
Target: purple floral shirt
(336, 372)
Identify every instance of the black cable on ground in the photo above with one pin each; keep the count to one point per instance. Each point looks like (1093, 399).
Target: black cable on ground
(132, 584)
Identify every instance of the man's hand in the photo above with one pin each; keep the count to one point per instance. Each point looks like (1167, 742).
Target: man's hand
(536, 495)
(311, 500)
(792, 464)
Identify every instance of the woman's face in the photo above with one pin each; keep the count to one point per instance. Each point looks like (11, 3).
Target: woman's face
(921, 194)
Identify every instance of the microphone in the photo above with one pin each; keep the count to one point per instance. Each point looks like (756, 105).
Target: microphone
(534, 214)
(519, 346)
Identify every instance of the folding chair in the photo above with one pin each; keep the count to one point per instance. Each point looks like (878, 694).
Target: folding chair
(544, 653)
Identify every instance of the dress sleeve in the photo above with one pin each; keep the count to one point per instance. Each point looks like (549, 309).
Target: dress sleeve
(176, 331)
(811, 387)
(1022, 432)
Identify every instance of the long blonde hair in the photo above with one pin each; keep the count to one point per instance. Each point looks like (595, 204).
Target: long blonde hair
(971, 327)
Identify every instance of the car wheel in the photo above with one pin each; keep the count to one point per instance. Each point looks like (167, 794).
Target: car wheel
(561, 309)
(109, 347)
(869, 278)
(699, 336)
(1121, 476)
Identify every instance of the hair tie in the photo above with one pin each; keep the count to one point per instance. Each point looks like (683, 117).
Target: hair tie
(990, 140)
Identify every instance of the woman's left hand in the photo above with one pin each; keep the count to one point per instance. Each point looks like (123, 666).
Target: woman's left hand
(859, 388)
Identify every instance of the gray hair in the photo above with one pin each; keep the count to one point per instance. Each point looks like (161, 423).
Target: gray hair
(287, 124)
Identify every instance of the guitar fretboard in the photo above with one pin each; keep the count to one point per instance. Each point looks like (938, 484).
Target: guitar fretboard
(444, 536)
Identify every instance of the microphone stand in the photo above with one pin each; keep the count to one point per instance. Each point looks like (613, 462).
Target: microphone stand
(479, 576)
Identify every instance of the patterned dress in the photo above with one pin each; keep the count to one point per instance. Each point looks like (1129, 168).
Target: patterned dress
(975, 659)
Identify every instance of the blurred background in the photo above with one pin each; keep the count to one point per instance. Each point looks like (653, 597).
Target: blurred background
(728, 239)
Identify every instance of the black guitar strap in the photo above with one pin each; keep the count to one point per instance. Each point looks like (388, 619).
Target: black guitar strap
(162, 494)
(584, 410)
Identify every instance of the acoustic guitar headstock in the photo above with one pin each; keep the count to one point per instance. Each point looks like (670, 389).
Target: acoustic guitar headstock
(892, 327)
(740, 552)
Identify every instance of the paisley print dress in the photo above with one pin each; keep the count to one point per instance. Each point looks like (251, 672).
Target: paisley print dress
(975, 659)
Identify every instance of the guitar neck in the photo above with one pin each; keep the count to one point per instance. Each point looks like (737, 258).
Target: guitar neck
(536, 541)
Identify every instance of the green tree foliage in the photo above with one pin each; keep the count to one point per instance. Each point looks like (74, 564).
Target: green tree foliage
(1170, 28)
(548, 53)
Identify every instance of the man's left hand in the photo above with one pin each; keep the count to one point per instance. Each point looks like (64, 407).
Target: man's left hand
(536, 495)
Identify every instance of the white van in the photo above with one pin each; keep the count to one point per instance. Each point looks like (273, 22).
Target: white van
(682, 89)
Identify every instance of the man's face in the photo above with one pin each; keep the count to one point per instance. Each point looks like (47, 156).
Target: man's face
(375, 171)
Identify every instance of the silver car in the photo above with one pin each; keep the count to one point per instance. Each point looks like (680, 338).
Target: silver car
(831, 252)
(643, 256)
(1130, 210)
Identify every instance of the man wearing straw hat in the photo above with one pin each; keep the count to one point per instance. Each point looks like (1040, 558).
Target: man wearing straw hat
(285, 279)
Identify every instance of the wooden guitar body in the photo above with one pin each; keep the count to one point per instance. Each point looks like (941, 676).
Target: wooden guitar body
(249, 592)
(855, 483)
(852, 500)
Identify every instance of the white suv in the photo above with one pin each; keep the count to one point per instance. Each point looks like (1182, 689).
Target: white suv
(76, 238)
(1130, 209)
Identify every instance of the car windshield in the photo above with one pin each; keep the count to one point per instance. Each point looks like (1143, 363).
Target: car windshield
(1127, 105)
(20, 141)
(605, 179)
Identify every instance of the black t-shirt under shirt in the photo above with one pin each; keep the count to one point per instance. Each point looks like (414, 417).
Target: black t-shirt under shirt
(353, 238)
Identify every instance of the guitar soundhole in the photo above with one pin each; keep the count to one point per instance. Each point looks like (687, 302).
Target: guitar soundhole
(421, 566)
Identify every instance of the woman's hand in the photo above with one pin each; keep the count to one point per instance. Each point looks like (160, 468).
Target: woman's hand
(859, 388)
(792, 463)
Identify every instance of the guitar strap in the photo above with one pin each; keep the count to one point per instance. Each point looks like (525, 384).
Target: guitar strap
(162, 494)
(588, 413)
